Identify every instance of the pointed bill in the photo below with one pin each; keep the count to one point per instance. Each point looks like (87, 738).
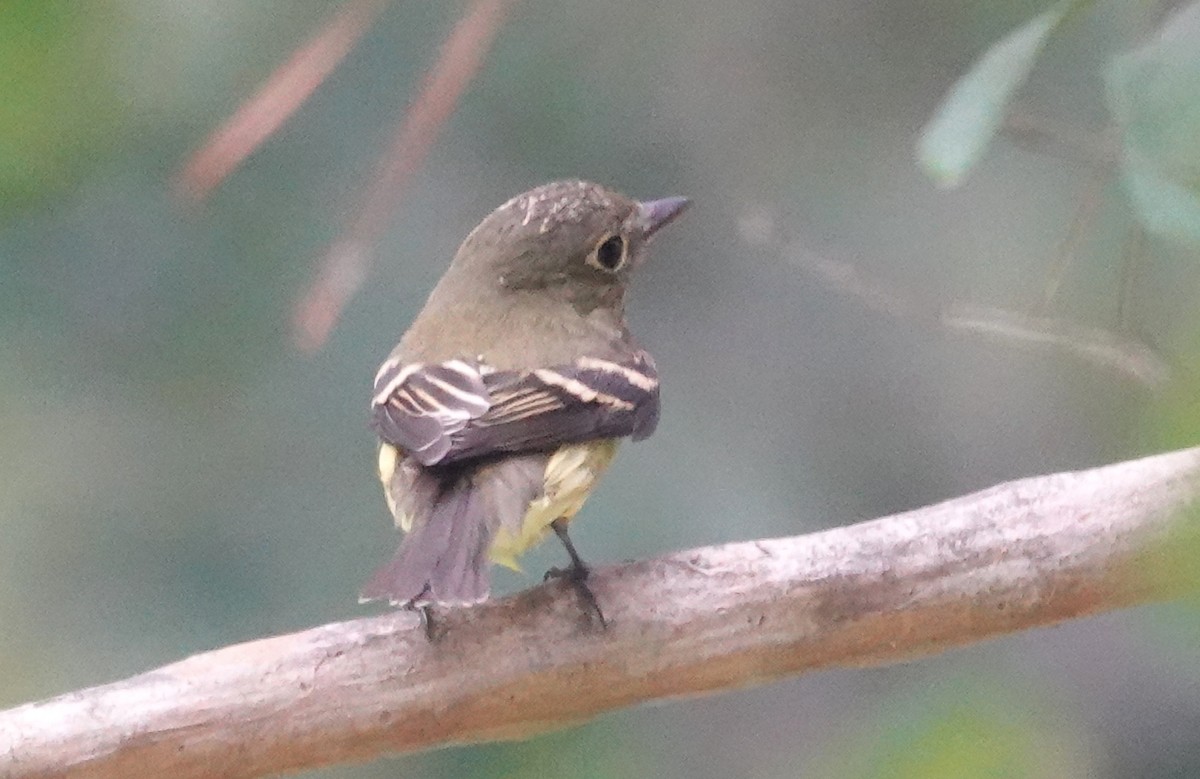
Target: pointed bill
(656, 214)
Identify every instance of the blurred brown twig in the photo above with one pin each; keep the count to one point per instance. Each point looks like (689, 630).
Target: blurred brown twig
(346, 263)
(1022, 554)
(1038, 133)
(1090, 199)
(261, 115)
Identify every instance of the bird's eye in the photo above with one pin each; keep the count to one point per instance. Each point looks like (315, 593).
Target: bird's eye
(610, 253)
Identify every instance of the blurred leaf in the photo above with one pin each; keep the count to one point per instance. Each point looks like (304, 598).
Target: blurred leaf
(1174, 423)
(1171, 566)
(966, 727)
(970, 115)
(1154, 95)
(598, 750)
(57, 99)
(966, 743)
(1165, 206)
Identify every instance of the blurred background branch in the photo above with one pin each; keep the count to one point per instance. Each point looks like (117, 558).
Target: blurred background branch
(280, 96)
(1106, 349)
(1027, 553)
(346, 263)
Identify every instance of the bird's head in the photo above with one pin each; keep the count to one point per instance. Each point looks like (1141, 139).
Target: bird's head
(573, 240)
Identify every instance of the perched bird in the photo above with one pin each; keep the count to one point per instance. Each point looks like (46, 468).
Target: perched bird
(503, 403)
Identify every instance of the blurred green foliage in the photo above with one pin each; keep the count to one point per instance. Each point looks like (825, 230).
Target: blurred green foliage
(964, 727)
(1154, 94)
(971, 114)
(1173, 422)
(59, 107)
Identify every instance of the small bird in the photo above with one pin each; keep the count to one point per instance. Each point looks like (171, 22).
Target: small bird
(504, 402)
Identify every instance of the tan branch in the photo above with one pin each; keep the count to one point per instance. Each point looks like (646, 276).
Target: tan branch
(1026, 553)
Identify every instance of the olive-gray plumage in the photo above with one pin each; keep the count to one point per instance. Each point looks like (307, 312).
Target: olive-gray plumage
(502, 403)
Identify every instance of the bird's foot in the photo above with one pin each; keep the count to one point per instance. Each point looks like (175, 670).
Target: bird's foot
(429, 624)
(577, 575)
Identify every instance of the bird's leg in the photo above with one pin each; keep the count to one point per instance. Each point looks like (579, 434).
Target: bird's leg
(576, 573)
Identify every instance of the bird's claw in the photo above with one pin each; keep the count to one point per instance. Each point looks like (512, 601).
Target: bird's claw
(577, 576)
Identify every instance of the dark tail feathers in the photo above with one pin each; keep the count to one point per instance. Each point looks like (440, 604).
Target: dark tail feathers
(443, 559)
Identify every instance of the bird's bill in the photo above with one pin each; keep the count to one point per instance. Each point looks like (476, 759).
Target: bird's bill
(656, 214)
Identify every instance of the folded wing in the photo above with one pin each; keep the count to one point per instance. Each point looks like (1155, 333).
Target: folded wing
(448, 412)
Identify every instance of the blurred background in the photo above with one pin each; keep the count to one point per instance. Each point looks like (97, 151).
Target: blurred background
(179, 470)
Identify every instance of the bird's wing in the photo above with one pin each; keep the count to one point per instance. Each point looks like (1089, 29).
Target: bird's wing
(418, 406)
(447, 412)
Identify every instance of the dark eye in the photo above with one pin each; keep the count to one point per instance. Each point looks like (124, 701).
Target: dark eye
(610, 254)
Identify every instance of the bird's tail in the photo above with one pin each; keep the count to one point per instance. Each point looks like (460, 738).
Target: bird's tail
(443, 558)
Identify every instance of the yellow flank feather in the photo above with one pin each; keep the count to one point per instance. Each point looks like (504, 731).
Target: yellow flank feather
(571, 474)
(389, 456)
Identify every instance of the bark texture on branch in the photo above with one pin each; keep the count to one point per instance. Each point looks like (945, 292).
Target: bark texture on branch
(1025, 553)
